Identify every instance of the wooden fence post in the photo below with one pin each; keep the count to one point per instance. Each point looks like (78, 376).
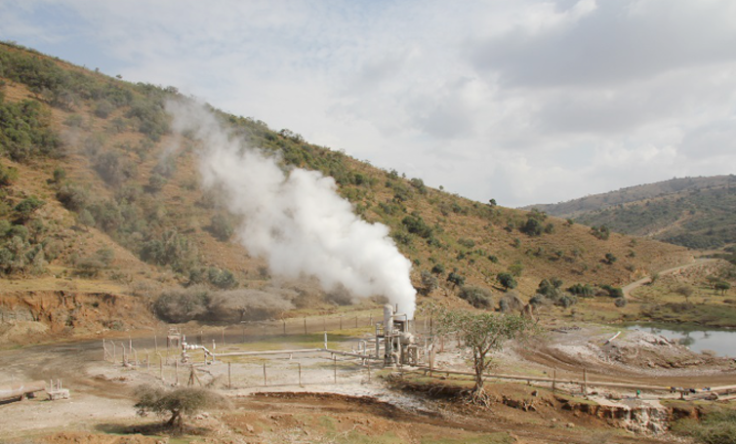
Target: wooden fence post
(265, 377)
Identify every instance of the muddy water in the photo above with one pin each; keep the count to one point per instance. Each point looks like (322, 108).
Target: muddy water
(723, 342)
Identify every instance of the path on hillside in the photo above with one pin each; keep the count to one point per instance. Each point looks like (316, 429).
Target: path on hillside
(643, 281)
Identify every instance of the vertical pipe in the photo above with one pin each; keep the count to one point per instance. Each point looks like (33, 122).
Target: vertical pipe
(325, 340)
(369, 371)
(265, 377)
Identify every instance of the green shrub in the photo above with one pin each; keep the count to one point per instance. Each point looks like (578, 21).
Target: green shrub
(477, 297)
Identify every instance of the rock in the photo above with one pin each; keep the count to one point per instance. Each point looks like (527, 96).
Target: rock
(249, 428)
(570, 425)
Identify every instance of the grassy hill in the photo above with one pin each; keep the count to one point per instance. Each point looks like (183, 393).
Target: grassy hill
(93, 200)
(692, 212)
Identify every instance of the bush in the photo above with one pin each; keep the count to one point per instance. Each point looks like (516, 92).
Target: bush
(716, 427)
(8, 175)
(456, 279)
(25, 131)
(506, 280)
(620, 302)
(583, 290)
(602, 232)
(25, 209)
(415, 224)
(438, 269)
(221, 227)
(477, 297)
(181, 305)
(510, 302)
(176, 402)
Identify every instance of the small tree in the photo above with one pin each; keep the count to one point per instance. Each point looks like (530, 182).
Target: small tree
(684, 291)
(176, 403)
(455, 279)
(723, 287)
(484, 334)
(429, 282)
(610, 258)
(506, 280)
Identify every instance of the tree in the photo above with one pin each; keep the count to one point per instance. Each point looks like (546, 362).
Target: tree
(477, 297)
(485, 334)
(684, 291)
(455, 279)
(177, 402)
(85, 218)
(429, 282)
(723, 287)
(610, 258)
(506, 280)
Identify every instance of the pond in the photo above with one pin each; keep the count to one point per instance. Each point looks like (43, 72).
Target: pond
(723, 342)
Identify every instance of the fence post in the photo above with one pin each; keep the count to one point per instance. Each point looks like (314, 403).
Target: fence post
(229, 380)
(265, 377)
(300, 373)
(284, 323)
(177, 372)
(369, 371)
(334, 359)
(585, 382)
(305, 326)
(554, 380)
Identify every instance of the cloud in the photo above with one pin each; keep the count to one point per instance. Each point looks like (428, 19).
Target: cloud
(523, 100)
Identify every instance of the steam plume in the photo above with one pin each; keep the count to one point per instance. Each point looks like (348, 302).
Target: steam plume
(295, 219)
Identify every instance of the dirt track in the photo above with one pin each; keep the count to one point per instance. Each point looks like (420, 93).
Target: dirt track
(644, 281)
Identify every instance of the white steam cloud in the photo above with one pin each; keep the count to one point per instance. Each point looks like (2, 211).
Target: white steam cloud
(295, 219)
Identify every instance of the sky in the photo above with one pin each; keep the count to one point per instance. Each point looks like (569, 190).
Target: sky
(522, 101)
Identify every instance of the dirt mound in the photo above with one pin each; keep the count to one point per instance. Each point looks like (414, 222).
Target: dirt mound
(93, 438)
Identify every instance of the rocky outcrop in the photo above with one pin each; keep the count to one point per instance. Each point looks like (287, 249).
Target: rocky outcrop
(70, 313)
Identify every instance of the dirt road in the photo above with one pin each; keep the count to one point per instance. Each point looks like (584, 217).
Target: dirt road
(644, 281)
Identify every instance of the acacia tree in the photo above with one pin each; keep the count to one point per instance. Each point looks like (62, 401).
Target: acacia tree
(177, 402)
(484, 334)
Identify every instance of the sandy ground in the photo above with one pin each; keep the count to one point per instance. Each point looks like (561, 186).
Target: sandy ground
(101, 390)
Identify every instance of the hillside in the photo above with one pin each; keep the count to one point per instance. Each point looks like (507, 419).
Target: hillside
(692, 212)
(94, 200)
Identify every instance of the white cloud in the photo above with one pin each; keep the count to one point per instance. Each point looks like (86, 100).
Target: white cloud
(522, 100)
